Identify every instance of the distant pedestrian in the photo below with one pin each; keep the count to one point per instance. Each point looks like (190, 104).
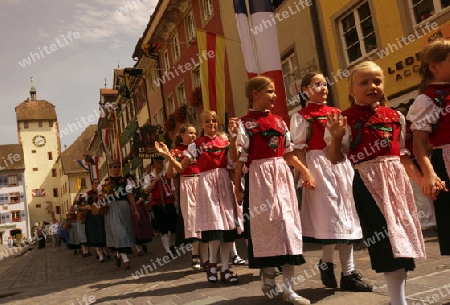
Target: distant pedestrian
(53, 232)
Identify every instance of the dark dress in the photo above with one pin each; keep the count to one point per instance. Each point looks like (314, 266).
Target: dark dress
(95, 224)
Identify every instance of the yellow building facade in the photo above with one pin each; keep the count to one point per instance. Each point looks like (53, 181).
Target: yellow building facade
(391, 33)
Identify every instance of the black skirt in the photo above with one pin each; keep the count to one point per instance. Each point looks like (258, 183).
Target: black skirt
(375, 232)
(165, 220)
(95, 230)
(442, 203)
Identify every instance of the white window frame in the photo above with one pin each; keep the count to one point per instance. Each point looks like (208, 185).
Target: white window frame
(176, 51)
(196, 81)
(181, 94)
(166, 61)
(206, 7)
(359, 31)
(437, 6)
(292, 74)
(189, 22)
(171, 104)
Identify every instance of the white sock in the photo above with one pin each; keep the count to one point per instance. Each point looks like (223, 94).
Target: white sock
(396, 284)
(124, 257)
(166, 242)
(346, 258)
(234, 250)
(270, 271)
(327, 253)
(288, 274)
(99, 252)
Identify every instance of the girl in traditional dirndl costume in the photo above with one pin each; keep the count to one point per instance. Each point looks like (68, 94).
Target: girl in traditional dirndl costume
(216, 205)
(188, 187)
(430, 120)
(372, 137)
(118, 220)
(328, 213)
(275, 228)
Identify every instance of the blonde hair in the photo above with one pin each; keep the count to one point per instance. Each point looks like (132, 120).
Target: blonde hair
(436, 51)
(256, 83)
(216, 117)
(368, 64)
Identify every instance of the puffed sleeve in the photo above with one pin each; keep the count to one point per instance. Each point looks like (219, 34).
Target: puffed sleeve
(299, 130)
(287, 140)
(129, 188)
(423, 113)
(242, 141)
(191, 151)
(401, 140)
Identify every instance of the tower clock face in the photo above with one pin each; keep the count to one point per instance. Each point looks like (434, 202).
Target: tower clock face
(39, 141)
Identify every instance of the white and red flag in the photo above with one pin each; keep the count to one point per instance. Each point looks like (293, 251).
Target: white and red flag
(260, 48)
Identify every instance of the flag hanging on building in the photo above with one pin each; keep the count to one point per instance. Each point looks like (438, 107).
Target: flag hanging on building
(84, 164)
(259, 43)
(211, 50)
(94, 167)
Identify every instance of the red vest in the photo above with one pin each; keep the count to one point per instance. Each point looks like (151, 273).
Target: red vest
(374, 132)
(440, 95)
(177, 153)
(211, 153)
(266, 132)
(159, 190)
(316, 115)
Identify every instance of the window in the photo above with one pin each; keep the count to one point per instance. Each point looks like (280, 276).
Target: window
(58, 209)
(35, 169)
(40, 124)
(3, 181)
(12, 180)
(38, 192)
(358, 33)
(33, 151)
(14, 197)
(175, 47)
(170, 104)
(4, 198)
(50, 123)
(25, 124)
(423, 9)
(15, 216)
(196, 77)
(50, 155)
(55, 192)
(20, 178)
(166, 61)
(291, 73)
(206, 8)
(54, 172)
(190, 27)
(38, 205)
(181, 94)
(161, 115)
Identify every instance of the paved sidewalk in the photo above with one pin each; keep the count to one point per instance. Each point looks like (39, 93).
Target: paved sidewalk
(42, 276)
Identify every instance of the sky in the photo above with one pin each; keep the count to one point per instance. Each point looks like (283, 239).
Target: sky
(69, 48)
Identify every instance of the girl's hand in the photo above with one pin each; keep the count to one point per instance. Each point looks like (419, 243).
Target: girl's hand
(336, 125)
(308, 180)
(233, 126)
(239, 195)
(162, 149)
(432, 185)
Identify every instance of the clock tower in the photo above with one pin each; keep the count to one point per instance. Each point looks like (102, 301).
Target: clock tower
(38, 132)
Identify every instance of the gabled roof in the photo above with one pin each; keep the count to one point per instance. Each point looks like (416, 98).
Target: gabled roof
(35, 110)
(75, 152)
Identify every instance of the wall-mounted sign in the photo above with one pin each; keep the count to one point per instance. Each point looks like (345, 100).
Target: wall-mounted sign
(405, 67)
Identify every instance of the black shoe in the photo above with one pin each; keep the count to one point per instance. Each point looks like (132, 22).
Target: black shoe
(327, 274)
(354, 282)
(108, 256)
